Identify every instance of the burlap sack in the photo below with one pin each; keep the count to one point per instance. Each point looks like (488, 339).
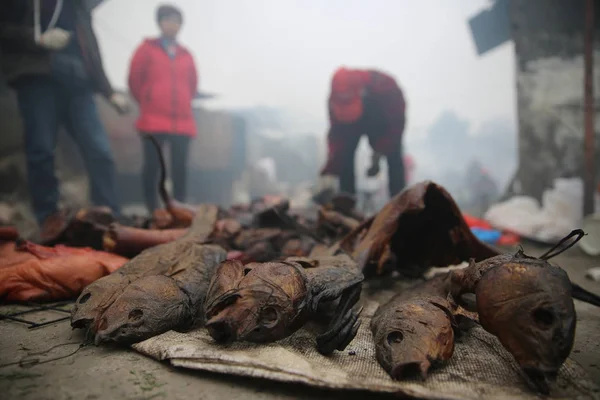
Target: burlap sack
(479, 369)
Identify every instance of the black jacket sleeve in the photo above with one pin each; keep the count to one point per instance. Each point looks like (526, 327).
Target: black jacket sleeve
(91, 49)
(16, 26)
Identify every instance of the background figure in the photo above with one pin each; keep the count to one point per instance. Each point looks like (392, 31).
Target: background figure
(482, 188)
(163, 80)
(53, 62)
(365, 102)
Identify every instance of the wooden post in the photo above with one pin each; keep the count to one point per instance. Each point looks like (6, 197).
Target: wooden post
(589, 113)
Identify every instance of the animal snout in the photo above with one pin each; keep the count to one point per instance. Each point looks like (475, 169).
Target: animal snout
(410, 370)
(221, 331)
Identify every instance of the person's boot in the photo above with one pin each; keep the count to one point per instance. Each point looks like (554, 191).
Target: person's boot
(54, 226)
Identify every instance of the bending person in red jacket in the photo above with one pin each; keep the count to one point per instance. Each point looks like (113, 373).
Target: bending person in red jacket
(365, 102)
(163, 80)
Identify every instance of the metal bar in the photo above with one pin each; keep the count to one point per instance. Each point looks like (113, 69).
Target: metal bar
(57, 304)
(43, 308)
(34, 307)
(24, 321)
(54, 307)
(35, 325)
(589, 140)
(37, 305)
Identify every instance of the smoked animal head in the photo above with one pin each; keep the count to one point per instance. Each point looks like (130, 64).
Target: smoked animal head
(268, 210)
(258, 302)
(249, 237)
(95, 298)
(147, 307)
(297, 247)
(259, 252)
(225, 230)
(411, 335)
(422, 217)
(527, 304)
(224, 282)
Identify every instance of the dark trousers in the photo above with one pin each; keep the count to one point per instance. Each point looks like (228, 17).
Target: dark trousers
(45, 106)
(179, 145)
(396, 173)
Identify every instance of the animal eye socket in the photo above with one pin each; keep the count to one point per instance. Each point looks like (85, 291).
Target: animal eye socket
(543, 317)
(85, 298)
(136, 314)
(268, 317)
(395, 337)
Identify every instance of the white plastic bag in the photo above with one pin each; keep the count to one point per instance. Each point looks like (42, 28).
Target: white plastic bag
(560, 212)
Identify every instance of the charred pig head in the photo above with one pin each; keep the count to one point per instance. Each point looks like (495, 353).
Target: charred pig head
(265, 302)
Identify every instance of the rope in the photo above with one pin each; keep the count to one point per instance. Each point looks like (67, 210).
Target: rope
(37, 28)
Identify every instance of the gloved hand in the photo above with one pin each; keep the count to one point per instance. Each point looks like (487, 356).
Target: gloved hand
(120, 102)
(55, 39)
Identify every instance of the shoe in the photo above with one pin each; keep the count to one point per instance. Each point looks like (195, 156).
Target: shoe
(55, 226)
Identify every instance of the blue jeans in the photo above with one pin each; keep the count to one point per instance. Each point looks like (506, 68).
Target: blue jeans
(45, 106)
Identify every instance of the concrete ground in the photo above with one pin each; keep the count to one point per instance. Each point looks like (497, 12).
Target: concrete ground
(116, 373)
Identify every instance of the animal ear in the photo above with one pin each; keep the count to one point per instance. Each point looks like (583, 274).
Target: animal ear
(334, 276)
(225, 281)
(445, 307)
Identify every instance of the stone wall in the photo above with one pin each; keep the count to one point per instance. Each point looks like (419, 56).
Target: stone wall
(549, 43)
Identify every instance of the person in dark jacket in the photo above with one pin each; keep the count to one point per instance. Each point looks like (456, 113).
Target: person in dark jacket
(164, 81)
(50, 56)
(365, 102)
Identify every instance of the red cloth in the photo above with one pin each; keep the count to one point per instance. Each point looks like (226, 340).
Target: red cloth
(164, 88)
(507, 238)
(382, 121)
(30, 272)
(474, 222)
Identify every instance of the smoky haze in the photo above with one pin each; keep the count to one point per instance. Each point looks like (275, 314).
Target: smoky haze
(282, 53)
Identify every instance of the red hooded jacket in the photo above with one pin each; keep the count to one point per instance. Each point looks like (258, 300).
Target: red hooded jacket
(164, 88)
(381, 117)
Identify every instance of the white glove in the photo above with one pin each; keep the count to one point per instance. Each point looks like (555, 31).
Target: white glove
(55, 39)
(120, 102)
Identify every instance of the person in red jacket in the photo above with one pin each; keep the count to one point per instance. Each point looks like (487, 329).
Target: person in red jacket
(164, 81)
(365, 102)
